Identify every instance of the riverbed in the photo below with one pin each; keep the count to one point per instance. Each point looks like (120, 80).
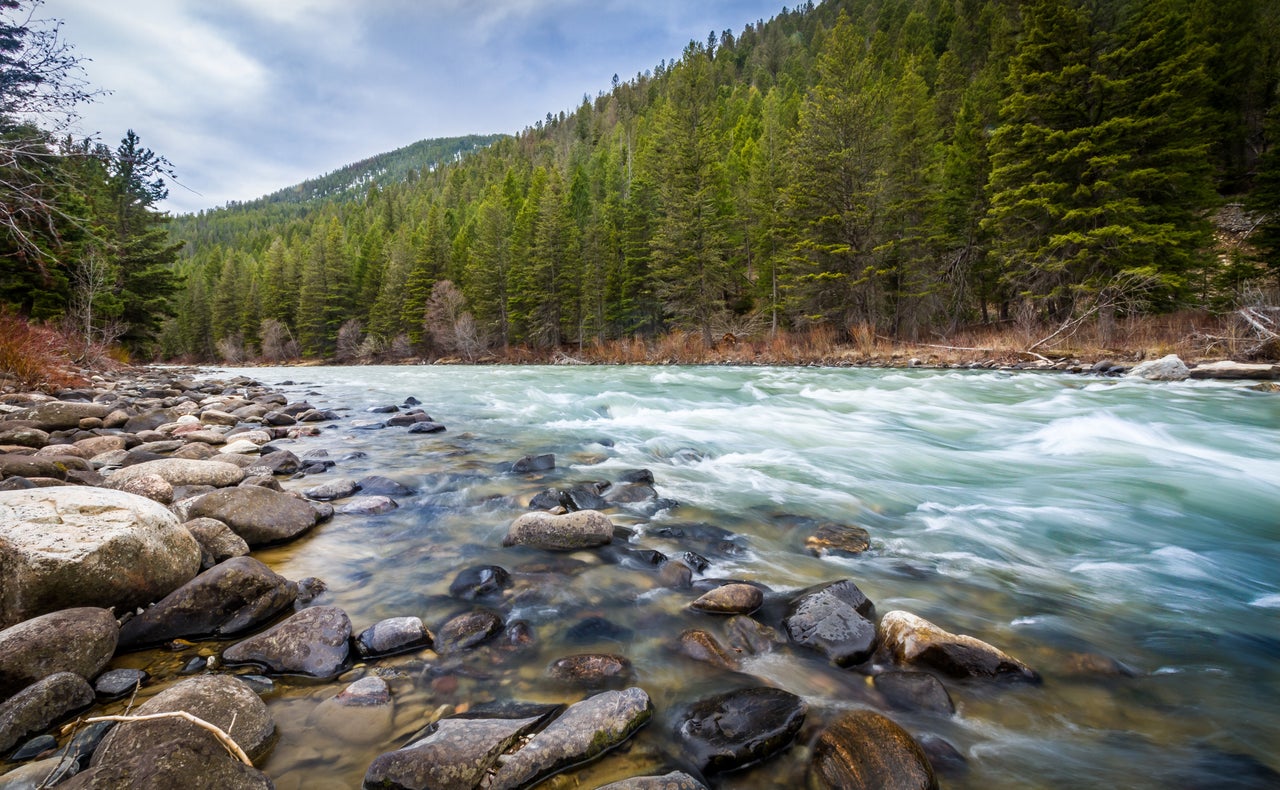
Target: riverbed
(1054, 516)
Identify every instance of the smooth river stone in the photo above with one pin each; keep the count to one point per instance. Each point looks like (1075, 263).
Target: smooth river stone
(392, 636)
(455, 754)
(915, 640)
(259, 515)
(80, 640)
(730, 599)
(702, 646)
(583, 529)
(591, 669)
(838, 539)
(181, 472)
(41, 705)
(914, 691)
(676, 780)
(737, 728)
(314, 642)
(863, 750)
(833, 620)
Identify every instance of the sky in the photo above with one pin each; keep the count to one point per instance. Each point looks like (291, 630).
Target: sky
(245, 97)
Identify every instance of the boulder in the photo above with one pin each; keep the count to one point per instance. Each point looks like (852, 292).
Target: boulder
(582, 733)
(229, 598)
(259, 515)
(14, 465)
(367, 506)
(314, 642)
(80, 640)
(737, 728)
(181, 472)
(153, 487)
(60, 415)
(734, 598)
(833, 619)
(676, 780)
(454, 753)
(217, 541)
(40, 706)
(79, 546)
(912, 640)
(863, 750)
(569, 532)
(1167, 368)
(23, 436)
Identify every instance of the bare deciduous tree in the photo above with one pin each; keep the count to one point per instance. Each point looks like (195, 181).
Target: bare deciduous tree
(277, 342)
(449, 324)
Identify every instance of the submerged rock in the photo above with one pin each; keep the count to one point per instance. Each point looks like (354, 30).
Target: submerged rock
(863, 750)
(480, 581)
(737, 728)
(361, 713)
(702, 646)
(676, 780)
(914, 640)
(569, 532)
(838, 539)
(469, 629)
(833, 620)
(591, 669)
(534, 463)
(314, 642)
(914, 691)
(585, 731)
(730, 599)
(367, 506)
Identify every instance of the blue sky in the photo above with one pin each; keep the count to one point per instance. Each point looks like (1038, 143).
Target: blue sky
(248, 96)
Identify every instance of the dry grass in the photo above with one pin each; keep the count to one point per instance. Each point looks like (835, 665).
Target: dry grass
(34, 356)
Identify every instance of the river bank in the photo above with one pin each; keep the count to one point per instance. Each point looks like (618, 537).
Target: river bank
(736, 501)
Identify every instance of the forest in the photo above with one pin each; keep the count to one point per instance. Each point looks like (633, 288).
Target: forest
(896, 167)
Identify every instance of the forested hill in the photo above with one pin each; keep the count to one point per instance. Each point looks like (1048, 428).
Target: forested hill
(893, 166)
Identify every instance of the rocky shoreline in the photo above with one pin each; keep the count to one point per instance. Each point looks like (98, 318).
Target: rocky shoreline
(129, 515)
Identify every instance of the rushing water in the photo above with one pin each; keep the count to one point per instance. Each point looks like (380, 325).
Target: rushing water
(1049, 515)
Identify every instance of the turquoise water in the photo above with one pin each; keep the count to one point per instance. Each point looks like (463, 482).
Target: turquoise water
(1050, 515)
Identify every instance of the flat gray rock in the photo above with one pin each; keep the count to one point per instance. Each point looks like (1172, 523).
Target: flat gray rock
(455, 754)
(80, 640)
(41, 705)
(314, 642)
(833, 619)
(181, 472)
(259, 515)
(569, 532)
(737, 728)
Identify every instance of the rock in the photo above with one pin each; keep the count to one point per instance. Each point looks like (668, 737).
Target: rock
(585, 497)
(863, 750)
(676, 780)
(217, 541)
(944, 758)
(227, 599)
(259, 515)
(59, 415)
(468, 630)
(1167, 368)
(97, 445)
(335, 489)
(833, 619)
(534, 463)
(118, 683)
(313, 642)
(40, 774)
(40, 706)
(78, 546)
(12, 465)
(34, 748)
(582, 733)
(455, 754)
(383, 486)
(181, 472)
(591, 669)
(751, 637)
(675, 574)
(730, 599)
(367, 506)
(737, 728)
(596, 629)
(363, 712)
(149, 420)
(79, 640)
(1236, 371)
(240, 447)
(279, 462)
(480, 581)
(702, 646)
(568, 532)
(393, 636)
(838, 539)
(913, 640)
(23, 437)
(914, 691)
(426, 426)
(153, 487)
(172, 752)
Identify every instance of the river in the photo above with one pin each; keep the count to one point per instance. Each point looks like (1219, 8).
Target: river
(1047, 514)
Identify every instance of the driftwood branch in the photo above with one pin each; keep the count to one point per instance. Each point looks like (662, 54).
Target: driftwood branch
(223, 738)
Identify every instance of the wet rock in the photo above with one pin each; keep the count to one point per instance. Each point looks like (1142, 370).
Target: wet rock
(568, 532)
(591, 669)
(730, 599)
(550, 499)
(85, 742)
(181, 472)
(751, 637)
(481, 581)
(363, 712)
(833, 620)
(1167, 368)
(259, 515)
(582, 733)
(863, 750)
(280, 462)
(454, 754)
(534, 463)
(585, 497)
(383, 486)
(914, 691)
(393, 636)
(367, 506)
(737, 728)
(217, 541)
(676, 780)
(172, 752)
(675, 574)
(34, 748)
(914, 640)
(227, 599)
(702, 646)
(596, 629)
(519, 634)
(118, 683)
(838, 539)
(79, 640)
(468, 630)
(426, 427)
(314, 642)
(943, 757)
(40, 706)
(336, 489)
(77, 546)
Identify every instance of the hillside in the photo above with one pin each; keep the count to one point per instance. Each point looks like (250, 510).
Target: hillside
(866, 168)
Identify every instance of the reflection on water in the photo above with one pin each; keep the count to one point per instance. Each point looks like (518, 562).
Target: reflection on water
(1051, 516)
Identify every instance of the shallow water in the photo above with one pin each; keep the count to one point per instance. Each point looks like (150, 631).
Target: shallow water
(1047, 514)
